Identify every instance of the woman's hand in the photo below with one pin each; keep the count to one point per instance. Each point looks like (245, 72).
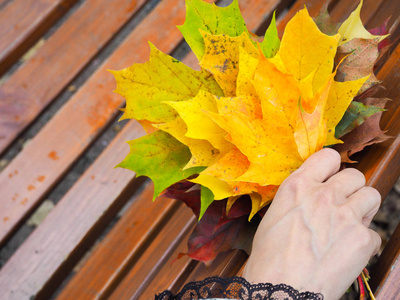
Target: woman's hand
(315, 235)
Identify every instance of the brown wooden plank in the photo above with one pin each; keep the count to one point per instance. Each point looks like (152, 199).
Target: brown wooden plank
(225, 265)
(383, 160)
(52, 249)
(386, 274)
(22, 22)
(76, 125)
(381, 166)
(121, 248)
(156, 255)
(33, 86)
(3, 2)
(313, 6)
(339, 10)
(173, 273)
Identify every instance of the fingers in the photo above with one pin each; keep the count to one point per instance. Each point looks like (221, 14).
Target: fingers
(365, 204)
(321, 165)
(347, 181)
(376, 242)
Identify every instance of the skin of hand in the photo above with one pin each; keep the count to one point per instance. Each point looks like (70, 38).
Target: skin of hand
(315, 235)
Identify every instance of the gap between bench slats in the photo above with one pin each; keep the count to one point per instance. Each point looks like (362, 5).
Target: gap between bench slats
(54, 247)
(383, 175)
(172, 274)
(67, 135)
(386, 275)
(122, 246)
(22, 22)
(380, 163)
(156, 255)
(33, 86)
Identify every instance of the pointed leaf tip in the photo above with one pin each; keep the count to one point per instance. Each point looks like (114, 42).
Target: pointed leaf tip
(206, 198)
(270, 44)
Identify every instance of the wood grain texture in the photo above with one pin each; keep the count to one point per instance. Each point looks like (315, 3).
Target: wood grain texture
(64, 138)
(226, 264)
(173, 274)
(122, 247)
(386, 274)
(381, 166)
(156, 255)
(44, 75)
(22, 22)
(51, 250)
(380, 163)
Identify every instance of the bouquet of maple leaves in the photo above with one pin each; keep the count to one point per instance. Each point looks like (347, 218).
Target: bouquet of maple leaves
(224, 138)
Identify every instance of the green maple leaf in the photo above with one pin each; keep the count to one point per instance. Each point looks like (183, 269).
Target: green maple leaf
(206, 198)
(270, 44)
(211, 19)
(355, 115)
(160, 157)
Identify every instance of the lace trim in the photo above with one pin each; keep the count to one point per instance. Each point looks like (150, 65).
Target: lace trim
(237, 288)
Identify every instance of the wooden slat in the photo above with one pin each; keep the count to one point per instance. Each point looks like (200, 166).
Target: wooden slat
(225, 265)
(156, 255)
(173, 273)
(121, 248)
(3, 2)
(386, 274)
(69, 133)
(33, 86)
(340, 10)
(381, 166)
(22, 22)
(380, 163)
(52, 249)
(313, 6)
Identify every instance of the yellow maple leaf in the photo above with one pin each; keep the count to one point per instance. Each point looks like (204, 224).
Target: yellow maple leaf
(221, 58)
(145, 89)
(305, 49)
(353, 28)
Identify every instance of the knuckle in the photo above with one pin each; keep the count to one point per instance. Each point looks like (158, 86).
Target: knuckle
(364, 237)
(345, 215)
(377, 238)
(295, 182)
(325, 194)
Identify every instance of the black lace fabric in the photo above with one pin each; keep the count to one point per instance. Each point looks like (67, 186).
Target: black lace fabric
(236, 288)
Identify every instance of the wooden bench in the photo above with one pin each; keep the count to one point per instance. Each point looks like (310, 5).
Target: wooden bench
(106, 216)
